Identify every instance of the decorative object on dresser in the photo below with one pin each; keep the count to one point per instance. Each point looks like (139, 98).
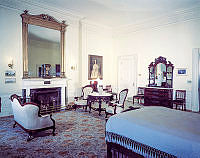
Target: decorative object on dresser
(83, 100)
(161, 73)
(157, 96)
(49, 34)
(180, 99)
(117, 106)
(139, 96)
(28, 117)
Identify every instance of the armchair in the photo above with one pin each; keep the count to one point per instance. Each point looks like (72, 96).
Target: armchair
(82, 101)
(28, 118)
(118, 106)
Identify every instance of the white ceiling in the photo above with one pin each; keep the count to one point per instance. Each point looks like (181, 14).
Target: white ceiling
(115, 13)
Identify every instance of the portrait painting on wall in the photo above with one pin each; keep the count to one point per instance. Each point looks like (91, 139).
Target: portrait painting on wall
(95, 67)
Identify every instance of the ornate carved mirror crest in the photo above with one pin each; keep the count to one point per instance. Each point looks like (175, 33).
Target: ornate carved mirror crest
(44, 45)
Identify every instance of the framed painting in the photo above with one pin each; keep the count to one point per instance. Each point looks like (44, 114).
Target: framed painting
(95, 67)
(10, 80)
(10, 73)
(181, 71)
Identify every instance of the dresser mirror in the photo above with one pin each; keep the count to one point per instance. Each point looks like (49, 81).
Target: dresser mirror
(43, 46)
(161, 73)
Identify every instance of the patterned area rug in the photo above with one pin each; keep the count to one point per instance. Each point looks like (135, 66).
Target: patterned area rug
(78, 134)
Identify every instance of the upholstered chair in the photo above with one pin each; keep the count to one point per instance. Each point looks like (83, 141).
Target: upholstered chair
(118, 106)
(27, 116)
(82, 101)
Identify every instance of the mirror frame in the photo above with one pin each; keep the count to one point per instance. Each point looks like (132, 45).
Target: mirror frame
(46, 21)
(152, 75)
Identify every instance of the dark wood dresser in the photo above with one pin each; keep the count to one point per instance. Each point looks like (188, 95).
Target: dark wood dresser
(154, 96)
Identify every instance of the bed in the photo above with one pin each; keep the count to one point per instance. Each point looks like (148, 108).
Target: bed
(154, 132)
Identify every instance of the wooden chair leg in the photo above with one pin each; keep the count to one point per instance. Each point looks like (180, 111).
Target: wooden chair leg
(14, 125)
(106, 115)
(75, 106)
(85, 108)
(30, 137)
(53, 132)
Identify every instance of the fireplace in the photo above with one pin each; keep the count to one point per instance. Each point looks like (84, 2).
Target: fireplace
(52, 86)
(49, 99)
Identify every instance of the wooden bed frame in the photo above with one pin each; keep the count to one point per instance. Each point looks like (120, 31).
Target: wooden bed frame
(115, 150)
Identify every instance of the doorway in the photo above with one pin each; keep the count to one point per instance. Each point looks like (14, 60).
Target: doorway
(127, 74)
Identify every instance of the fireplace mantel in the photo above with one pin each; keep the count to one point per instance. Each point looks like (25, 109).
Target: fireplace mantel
(34, 83)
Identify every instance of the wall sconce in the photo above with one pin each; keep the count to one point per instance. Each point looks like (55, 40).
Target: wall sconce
(10, 64)
(74, 67)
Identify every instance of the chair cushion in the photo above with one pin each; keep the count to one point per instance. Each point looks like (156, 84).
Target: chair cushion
(81, 102)
(178, 101)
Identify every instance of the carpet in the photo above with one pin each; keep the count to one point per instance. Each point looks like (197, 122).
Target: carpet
(78, 134)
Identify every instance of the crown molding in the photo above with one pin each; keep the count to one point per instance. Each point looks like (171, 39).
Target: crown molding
(37, 8)
(94, 25)
(158, 22)
(73, 18)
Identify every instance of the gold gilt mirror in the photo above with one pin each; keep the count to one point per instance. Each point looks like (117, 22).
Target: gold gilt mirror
(43, 46)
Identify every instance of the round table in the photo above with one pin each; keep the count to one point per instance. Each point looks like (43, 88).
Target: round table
(98, 97)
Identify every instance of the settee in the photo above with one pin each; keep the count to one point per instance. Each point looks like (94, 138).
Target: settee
(28, 117)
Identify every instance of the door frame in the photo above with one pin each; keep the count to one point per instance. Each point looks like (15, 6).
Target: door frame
(135, 64)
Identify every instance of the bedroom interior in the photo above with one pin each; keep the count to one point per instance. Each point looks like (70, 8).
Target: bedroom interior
(51, 51)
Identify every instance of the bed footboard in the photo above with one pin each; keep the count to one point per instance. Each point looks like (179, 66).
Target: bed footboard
(119, 146)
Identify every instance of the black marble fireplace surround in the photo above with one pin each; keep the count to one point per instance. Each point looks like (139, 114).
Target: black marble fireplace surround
(49, 99)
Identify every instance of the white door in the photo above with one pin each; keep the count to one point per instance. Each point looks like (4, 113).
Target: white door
(127, 74)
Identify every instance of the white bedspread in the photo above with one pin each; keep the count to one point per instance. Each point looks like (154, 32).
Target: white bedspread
(173, 131)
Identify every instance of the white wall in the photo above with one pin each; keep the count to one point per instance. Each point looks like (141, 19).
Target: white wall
(97, 40)
(80, 41)
(175, 42)
(11, 47)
